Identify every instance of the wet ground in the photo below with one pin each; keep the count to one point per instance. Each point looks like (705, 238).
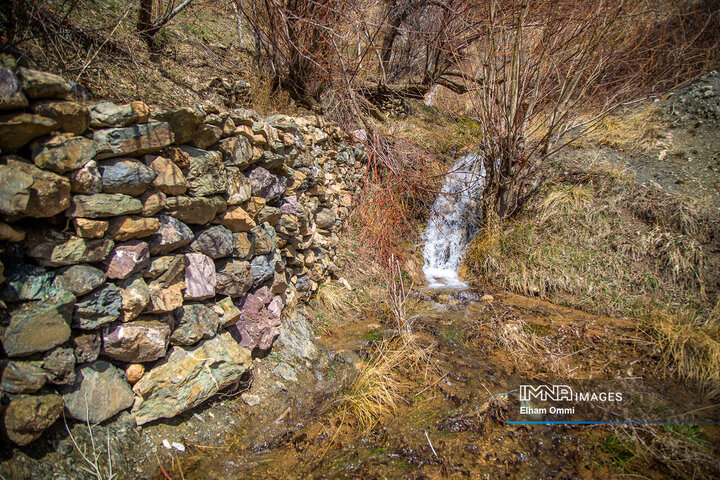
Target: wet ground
(458, 410)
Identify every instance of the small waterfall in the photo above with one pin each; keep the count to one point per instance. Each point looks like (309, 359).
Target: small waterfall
(449, 227)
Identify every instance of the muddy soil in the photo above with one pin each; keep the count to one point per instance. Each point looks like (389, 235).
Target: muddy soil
(460, 414)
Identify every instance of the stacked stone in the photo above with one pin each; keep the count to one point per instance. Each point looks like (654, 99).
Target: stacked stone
(168, 247)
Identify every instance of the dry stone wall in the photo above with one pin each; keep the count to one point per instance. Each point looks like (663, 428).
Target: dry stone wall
(146, 255)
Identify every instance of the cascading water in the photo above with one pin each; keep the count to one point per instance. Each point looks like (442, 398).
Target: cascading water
(449, 227)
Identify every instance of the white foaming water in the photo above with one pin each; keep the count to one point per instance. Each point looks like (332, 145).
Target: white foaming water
(449, 228)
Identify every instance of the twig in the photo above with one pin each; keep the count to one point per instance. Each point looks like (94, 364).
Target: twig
(101, 46)
(431, 445)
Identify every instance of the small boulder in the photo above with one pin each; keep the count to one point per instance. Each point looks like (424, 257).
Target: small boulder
(184, 122)
(169, 179)
(23, 377)
(135, 297)
(126, 228)
(58, 250)
(49, 192)
(26, 418)
(128, 258)
(87, 347)
(86, 180)
(79, 279)
(132, 141)
(19, 129)
(98, 393)
(215, 242)
(15, 194)
(237, 220)
(11, 95)
(197, 374)
(200, 279)
(71, 117)
(194, 322)
(108, 114)
(206, 173)
(125, 175)
(86, 228)
(98, 308)
(63, 153)
(39, 326)
(60, 366)
(171, 235)
(234, 278)
(37, 84)
(195, 210)
(103, 205)
(135, 342)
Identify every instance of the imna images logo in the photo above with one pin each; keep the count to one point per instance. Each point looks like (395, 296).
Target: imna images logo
(560, 393)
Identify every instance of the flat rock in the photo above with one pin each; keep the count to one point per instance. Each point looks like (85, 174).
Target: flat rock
(103, 205)
(135, 342)
(172, 234)
(200, 278)
(63, 153)
(87, 228)
(39, 326)
(98, 393)
(98, 308)
(23, 376)
(19, 129)
(132, 141)
(26, 418)
(108, 114)
(188, 377)
(215, 242)
(126, 175)
(128, 258)
(79, 279)
(194, 322)
(234, 278)
(37, 84)
(49, 192)
(70, 116)
(169, 179)
(127, 228)
(195, 210)
(15, 194)
(59, 250)
(206, 173)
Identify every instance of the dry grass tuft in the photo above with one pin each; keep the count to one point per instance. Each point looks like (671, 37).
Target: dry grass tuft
(690, 351)
(377, 389)
(635, 129)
